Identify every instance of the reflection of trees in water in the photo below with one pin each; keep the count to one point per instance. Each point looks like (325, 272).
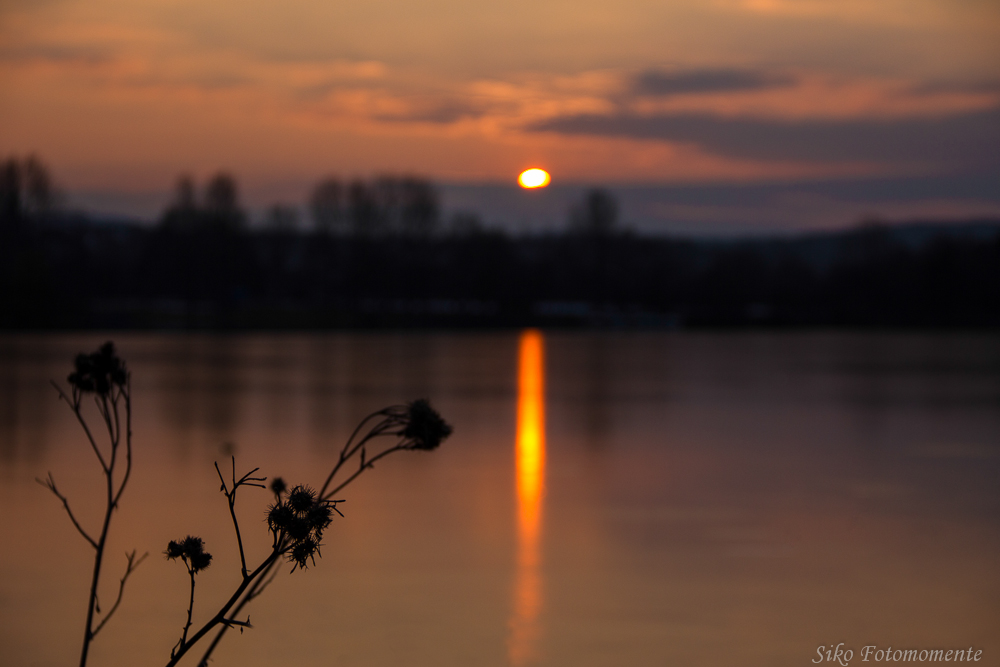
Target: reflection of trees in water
(346, 374)
(866, 391)
(326, 368)
(222, 381)
(419, 360)
(10, 404)
(598, 377)
(10, 391)
(25, 404)
(203, 379)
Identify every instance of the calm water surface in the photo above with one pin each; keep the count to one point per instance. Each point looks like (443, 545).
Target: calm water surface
(607, 499)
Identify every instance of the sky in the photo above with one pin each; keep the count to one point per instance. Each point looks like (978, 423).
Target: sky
(702, 116)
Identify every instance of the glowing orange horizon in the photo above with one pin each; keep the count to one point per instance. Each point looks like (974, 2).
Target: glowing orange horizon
(530, 473)
(530, 179)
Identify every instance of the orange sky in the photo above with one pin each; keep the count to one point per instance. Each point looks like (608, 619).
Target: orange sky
(117, 94)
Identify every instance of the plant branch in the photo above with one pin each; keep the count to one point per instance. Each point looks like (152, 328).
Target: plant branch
(259, 585)
(132, 565)
(222, 613)
(102, 408)
(366, 465)
(128, 437)
(231, 622)
(246, 480)
(187, 626)
(74, 405)
(88, 634)
(255, 589)
(50, 484)
(102, 374)
(347, 452)
(417, 426)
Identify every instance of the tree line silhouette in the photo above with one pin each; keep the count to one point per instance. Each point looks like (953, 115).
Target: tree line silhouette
(379, 254)
(385, 206)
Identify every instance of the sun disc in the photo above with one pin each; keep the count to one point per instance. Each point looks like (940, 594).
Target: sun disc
(534, 178)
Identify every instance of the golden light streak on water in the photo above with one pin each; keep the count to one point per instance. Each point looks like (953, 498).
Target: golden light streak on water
(530, 473)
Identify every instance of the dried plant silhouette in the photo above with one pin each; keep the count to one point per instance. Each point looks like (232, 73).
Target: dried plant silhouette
(102, 376)
(296, 520)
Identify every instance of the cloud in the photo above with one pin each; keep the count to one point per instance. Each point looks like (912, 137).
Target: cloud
(429, 111)
(55, 53)
(986, 87)
(658, 82)
(971, 138)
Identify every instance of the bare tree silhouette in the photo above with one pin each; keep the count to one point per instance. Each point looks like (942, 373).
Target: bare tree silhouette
(596, 215)
(26, 190)
(326, 204)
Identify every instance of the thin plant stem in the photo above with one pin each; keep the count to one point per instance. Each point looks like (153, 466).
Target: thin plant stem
(220, 616)
(74, 405)
(258, 586)
(50, 484)
(187, 626)
(246, 480)
(130, 568)
(107, 405)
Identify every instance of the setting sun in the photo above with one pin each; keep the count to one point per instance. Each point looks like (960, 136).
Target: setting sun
(533, 178)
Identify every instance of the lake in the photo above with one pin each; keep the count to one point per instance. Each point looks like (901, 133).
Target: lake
(607, 498)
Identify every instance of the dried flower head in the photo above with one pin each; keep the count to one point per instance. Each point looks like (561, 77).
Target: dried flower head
(278, 486)
(200, 561)
(300, 518)
(298, 528)
(319, 516)
(301, 498)
(191, 550)
(99, 371)
(279, 516)
(174, 550)
(303, 551)
(425, 428)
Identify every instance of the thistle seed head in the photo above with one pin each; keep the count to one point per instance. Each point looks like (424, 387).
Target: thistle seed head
(425, 428)
(99, 371)
(301, 498)
(191, 550)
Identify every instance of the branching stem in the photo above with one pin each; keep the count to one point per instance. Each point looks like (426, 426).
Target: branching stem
(388, 426)
(133, 563)
(107, 402)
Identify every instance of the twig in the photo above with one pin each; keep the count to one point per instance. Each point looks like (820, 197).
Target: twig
(365, 465)
(103, 374)
(187, 626)
(246, 480)
(231, 622)
(74, 405)
(261, 585)
(128, 438)
(132, 565)
(395, 421)
(348, 452)
(223, 612)
(50, 484)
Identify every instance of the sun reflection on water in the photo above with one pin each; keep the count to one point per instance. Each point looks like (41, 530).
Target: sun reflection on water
(530, 472)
